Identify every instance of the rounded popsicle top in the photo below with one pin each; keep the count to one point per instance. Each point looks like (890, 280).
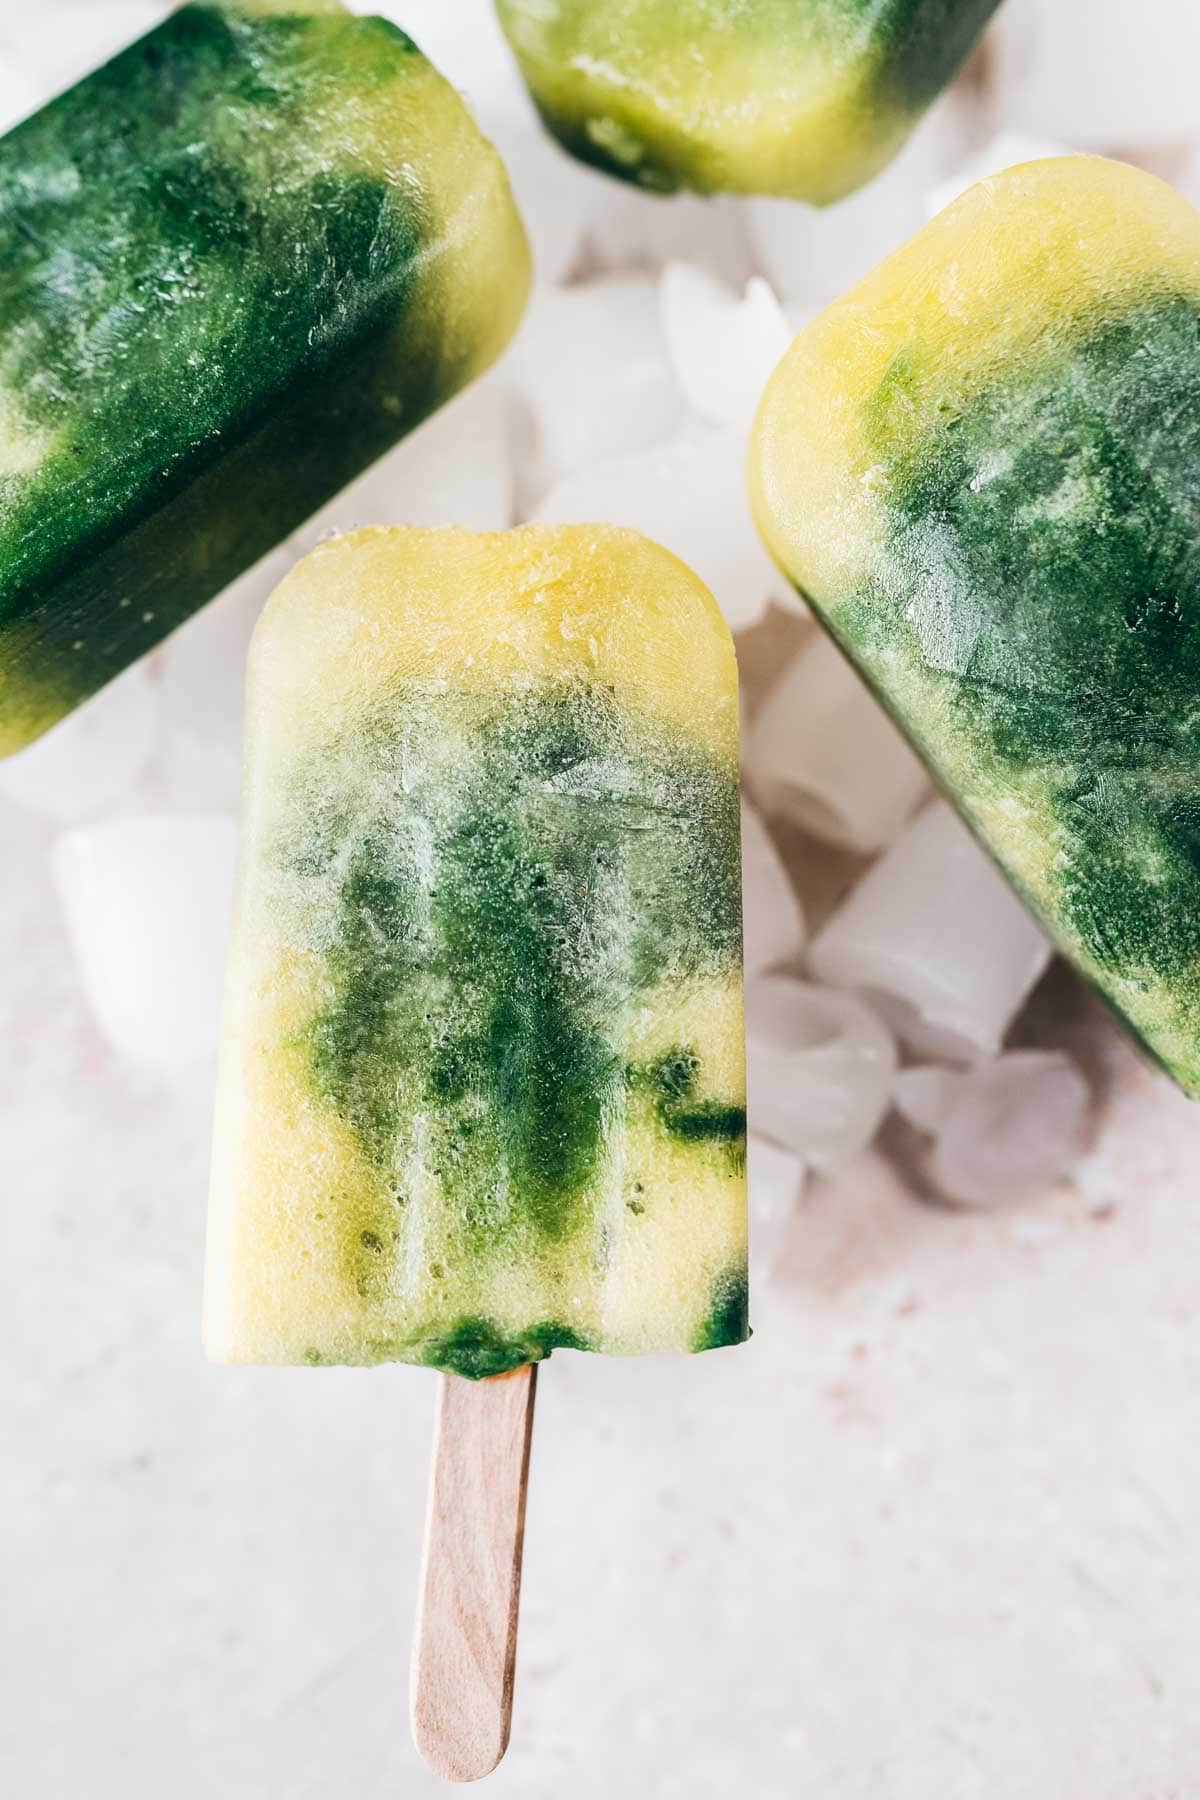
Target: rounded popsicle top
(982, 467)
(1008, 273)
(804, 98)
(471, 610)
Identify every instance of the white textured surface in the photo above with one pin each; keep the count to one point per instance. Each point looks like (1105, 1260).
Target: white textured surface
(929, 1537)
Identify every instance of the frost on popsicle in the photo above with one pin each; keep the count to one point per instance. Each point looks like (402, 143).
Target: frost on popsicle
(999, 519)
(804, 98)
(483, 1086)
(239, 261)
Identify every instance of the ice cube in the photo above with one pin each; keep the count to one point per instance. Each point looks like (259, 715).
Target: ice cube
(923, 1096)
(811, 256)
(688, 495)
(775, 1180)
(591, 366)
(822, 753)
(820, 1067)
(1004, 151)
(1003, 1131)
(552, 200)
(93, 757)
(630, 229)
(722, 347)
(937, 939)
(455, 469)
(147, 903)
(772, 916)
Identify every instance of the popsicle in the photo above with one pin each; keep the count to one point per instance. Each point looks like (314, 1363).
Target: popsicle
(803, 98)
(239, 262)
(982, 468)
(482, 1084)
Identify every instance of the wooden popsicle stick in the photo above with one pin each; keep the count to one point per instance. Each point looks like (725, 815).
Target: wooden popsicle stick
(465, 1654)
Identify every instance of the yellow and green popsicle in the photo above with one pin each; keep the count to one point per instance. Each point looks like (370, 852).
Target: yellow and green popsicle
(803, 98)
(482, 1088)
(236, 264)
(982, 467)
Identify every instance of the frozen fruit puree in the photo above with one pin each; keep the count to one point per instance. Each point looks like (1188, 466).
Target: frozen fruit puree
(482, 1089)
(236, 264)
(982, 467)
(807, 98)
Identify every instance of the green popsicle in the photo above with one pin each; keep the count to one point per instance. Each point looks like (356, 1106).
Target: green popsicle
(236, 264)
